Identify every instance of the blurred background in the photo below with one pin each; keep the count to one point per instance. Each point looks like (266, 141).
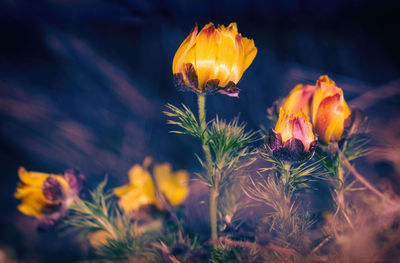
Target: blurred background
(83, 84)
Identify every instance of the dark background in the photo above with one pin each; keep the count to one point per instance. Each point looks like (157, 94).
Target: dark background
(83, 84)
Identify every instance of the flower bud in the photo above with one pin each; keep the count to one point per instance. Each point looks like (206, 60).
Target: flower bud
(293, 139)
(214, 60)
(329, 110)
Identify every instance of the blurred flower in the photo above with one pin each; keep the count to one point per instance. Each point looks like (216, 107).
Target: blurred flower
(47, 196)
(299, 99)
(214, 60)
(329, 110)
(141, 190)
(293, 138)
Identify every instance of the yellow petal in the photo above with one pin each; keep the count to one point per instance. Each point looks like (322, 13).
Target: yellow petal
(179, 58)
(162, 173)
(227, 57)
(172, 185)
(32, 204)
(138, 176)
(31, 178)
(250, 52)
(122, 190)
(135, 198)
(23, 190)
(206, 54)
(178, 188)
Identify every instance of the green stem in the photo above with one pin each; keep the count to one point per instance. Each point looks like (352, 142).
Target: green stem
(213, 213)
(207, 153)
(202, 119)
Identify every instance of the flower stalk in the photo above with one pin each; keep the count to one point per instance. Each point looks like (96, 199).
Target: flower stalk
(207, 154)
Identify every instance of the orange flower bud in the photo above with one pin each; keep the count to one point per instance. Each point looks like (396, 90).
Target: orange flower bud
(214, 60)
(329, 110)
(293, 138)
(299, 99)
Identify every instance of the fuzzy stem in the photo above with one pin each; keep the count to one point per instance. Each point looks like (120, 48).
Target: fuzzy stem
(207, 153)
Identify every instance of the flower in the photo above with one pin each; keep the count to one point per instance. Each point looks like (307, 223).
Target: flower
(299, 99)
(293, 139)
(329, 110)
(141, 190)
(214, 60)
(47, 196)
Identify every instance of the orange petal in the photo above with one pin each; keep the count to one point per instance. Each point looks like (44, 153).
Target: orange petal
(299, 99)
(329, 118)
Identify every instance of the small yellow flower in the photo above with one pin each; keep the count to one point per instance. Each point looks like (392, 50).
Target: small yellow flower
(299, 99)
(329, 110)
(141, 191)
(214, 60)
(40, 193)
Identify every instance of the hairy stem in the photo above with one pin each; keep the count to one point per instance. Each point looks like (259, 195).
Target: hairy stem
(207, 154)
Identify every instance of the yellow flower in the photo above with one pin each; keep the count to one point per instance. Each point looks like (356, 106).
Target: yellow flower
(141, 191)
(214, 60)
(299, 99)
(293, 138)
(329, 110)
(40, 193)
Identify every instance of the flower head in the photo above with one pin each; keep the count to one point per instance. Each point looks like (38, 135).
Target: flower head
(141, 190)
(293, 138)
(329, 110)
(47, 196)
(213, 60)
(299, 99)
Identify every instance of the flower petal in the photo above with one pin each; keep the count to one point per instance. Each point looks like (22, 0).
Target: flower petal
(330, 118)
(206, 54)
(250, 52)
(299, 99)
(31, 178)
(187, 44)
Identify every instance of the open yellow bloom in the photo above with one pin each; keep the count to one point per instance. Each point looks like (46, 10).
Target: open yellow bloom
(141, 191)
(40, 193)
(214, 60)
(299, 99)
(329, 110)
